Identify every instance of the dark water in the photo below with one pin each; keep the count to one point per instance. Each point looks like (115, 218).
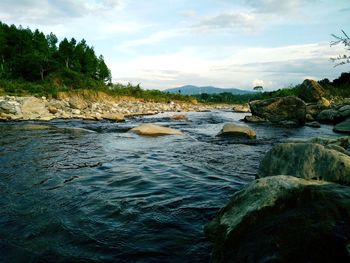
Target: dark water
(92, 192)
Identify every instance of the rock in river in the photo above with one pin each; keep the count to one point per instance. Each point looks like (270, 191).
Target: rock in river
(280, 110)
(308, 161)
(343, 127)
(231, 129)
(283, 219)
(154, 130)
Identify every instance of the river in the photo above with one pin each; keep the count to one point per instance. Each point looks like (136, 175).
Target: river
(85, 191)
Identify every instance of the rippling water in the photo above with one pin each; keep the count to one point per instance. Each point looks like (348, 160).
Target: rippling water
(92, 192)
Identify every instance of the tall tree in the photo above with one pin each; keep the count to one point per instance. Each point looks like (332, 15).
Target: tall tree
(103, 71)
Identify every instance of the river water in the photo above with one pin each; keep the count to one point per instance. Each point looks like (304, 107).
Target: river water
(85, 191)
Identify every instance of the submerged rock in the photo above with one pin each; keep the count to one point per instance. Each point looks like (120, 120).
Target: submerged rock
(231, 129)
(283, 219)
(179, 117)
(154, 130)
(280, 110)
(313, 124)
(308, 161)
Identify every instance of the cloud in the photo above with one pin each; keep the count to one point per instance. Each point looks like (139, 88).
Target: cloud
(275, 6)
(151, 39)
(244, 67)
(51, 12)
(231, 21)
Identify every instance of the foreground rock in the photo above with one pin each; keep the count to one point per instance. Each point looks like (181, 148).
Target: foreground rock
(285, 111)
(283, 219)
(343, 127)
(154, 130)
(231, 129)
(308, 161)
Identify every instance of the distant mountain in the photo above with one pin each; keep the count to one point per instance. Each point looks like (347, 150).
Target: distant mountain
(193, 90)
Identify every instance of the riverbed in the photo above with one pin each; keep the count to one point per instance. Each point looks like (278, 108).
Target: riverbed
(90, 191)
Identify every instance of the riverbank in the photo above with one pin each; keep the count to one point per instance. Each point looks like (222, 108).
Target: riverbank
(91, 106)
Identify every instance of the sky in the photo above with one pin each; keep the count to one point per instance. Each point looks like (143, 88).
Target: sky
(163, 44)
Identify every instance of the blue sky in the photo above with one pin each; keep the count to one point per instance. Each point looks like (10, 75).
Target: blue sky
(226, 43)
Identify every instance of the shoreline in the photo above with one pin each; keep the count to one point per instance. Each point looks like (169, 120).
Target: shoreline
(99, 106)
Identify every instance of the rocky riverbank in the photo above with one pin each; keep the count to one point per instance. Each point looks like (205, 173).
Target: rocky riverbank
(87, 106)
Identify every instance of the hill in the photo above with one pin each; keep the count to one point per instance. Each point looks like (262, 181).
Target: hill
(193, 90)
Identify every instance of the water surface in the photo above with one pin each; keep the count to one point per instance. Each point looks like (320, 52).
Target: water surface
(85, 191)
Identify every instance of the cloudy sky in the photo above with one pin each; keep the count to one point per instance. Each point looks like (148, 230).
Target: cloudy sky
(225, 43)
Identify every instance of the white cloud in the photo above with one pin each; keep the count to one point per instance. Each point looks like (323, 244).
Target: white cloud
(244, 67)
(233, 21)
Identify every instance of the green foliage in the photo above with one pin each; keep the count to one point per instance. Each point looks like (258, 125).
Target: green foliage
(32, 56)
(149, 95)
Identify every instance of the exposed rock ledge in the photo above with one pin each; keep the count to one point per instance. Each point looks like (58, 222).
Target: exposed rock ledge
(88, 106)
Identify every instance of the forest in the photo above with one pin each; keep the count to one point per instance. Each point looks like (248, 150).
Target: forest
(32, 56)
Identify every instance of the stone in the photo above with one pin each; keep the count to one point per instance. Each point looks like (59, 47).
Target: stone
(154, 130)
(37, 127)
(52, 110)
(241, 108)
(113, 117)
(313, 124)
(10, 107)
(343, 127)
(329, 116)
(308, 161)
(342, 142)
(277, 110)
(344, 111)
(323, 103)
(76, 112)
(313, 109)
(253, 119)
(34, 108)
(179, 117)
(231, 129)
(283, 219)
(309, 118)
(77, 103)
(311, 91)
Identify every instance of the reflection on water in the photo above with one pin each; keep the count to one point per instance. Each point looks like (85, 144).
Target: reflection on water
(92, 192)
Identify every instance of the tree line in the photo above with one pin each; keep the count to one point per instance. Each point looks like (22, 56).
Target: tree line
(32, 56)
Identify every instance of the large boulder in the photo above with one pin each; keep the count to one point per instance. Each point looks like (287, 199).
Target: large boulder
(283, 219)
(231, 129)
(290, 110)
(311, 91)
(329, 116)
(308, 161)
(343, 127)
(154, 130)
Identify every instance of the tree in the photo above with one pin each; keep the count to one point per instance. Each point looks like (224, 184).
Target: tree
(258, 88)
(103, 72)
(345, 40)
